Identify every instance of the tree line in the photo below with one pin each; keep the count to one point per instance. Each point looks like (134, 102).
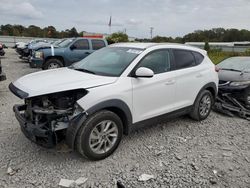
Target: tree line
(212, 35)
(35, 31)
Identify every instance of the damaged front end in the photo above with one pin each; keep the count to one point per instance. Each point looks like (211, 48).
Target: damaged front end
(45, 119)
(233, 100)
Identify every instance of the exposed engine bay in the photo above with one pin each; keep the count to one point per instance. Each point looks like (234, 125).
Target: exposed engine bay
(52, 114)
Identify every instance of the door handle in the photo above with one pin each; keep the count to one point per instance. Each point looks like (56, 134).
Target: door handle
(87, 53)
(170, 82)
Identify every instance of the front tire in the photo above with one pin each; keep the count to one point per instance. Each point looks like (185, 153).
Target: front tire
(53, 64)
(202, 106)
(100, 135)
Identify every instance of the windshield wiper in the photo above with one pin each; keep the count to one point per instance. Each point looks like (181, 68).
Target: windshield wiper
(84, 70)
(230, 69)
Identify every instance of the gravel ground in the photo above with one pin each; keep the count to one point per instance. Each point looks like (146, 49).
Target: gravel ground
(178, 153)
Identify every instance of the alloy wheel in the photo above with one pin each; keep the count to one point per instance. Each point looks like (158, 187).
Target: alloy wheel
(103, 137)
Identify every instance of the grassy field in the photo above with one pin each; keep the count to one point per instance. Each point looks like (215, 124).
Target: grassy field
(218, 56)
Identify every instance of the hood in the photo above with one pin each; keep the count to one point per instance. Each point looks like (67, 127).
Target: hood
(57, 80)
(39, 45)
(234, 76)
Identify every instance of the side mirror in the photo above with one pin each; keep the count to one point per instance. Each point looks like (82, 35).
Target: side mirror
(72, 47)
(144, 72)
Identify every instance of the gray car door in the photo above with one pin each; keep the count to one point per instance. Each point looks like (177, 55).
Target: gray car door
(79, 50)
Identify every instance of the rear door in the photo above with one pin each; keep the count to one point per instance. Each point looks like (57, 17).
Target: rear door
(154, 96)
(189, 76)
(97, 44)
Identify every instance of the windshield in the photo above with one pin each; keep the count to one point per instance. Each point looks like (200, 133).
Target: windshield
(66, 43)
(235, 63)
(109, 61)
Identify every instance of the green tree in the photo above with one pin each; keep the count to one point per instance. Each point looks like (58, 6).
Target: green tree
(117, 37)
(207, 47)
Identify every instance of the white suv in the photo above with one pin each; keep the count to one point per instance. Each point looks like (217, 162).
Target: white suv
(114, 90)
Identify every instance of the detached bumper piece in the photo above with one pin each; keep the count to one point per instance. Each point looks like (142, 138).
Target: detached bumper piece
(38, 133)
(228, 105)
(2, 77)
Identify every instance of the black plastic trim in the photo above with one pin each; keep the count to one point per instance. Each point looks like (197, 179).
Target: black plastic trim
(160, 118)
(114, 103)
(19, 93)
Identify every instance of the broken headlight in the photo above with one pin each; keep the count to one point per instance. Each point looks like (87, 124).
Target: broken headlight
(77, 109)
(235, 84)
(39, 55)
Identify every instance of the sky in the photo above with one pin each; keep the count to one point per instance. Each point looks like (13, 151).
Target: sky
(167, 17)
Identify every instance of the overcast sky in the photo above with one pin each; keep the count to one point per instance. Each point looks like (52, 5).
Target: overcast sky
(168, 17)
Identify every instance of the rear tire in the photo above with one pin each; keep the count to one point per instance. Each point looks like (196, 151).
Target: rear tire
(100, 135)
(202, 105)
(53, 64)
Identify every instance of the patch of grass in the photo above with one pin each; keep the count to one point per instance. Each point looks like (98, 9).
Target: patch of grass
(217, 55)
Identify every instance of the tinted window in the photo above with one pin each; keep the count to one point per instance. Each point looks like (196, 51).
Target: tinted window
(198, 57)
(97, 44)
(183, 59)
(82, 44)
(158, 61)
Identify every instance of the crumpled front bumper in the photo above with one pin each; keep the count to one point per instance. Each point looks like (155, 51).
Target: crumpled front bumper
(35, 133)
(35, 62)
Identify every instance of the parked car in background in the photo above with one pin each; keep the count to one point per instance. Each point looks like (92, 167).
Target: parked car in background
(20, 45)
(66, 53)
(2, 75)
(40, 46)
(25, 50)
(2, 52)
(234, 78)
(111, 92)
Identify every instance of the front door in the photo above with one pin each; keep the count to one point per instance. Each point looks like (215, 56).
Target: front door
(154, 96)
(80, 50)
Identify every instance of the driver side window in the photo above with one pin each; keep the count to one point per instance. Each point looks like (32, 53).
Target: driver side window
(81, 44)
(158, 61)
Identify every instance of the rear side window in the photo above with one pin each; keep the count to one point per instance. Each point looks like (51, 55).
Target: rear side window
(82, 44)
(97, 44)
(184, 59)
(198, 57)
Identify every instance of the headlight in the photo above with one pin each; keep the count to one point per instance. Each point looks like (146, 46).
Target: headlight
(39, 55)
(77, 109)
(240, 83)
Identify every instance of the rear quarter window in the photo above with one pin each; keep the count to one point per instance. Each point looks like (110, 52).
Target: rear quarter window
(97, 44)
(198, 57)
(183, 59)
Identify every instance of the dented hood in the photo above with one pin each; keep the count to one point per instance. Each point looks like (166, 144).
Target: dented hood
(57, 80)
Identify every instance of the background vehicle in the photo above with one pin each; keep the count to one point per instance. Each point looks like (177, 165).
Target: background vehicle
(66, 53)
(2, 52)
(24, 50)
(234, 78)
(113, 91)
(2, 75)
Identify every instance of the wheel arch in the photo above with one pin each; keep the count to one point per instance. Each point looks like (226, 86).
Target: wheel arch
(116, 106)
(211, 86)
(54, 57)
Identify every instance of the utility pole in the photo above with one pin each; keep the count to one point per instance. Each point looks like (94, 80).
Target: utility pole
(151, 32)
